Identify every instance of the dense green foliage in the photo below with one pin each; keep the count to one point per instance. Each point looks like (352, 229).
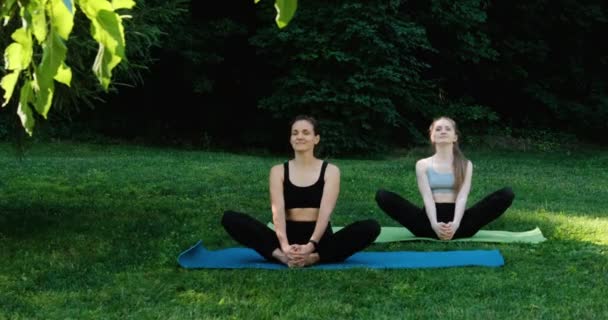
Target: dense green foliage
(89, 231)
(32, 67)
(374, 73)
(148, 26)
(536, 64)
(35, 59)
(361, 81)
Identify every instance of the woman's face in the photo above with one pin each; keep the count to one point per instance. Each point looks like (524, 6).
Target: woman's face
(443, 132)
(303, 136)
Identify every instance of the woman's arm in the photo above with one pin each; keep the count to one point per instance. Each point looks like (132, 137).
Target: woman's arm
(440, 229)
(463, 195)
(277, 204)
(425, 191)
(328, 201)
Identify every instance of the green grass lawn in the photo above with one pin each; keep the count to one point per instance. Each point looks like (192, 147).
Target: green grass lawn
(90, 231)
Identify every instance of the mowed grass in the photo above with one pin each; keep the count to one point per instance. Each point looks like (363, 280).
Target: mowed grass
(93, 231)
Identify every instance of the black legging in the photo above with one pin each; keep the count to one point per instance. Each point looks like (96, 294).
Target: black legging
(333, 247)
(415, 219)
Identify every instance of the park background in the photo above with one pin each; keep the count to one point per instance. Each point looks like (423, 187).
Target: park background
(375, 73)
(96, 205)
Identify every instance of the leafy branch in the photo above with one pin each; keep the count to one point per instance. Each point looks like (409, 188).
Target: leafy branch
(36, 57)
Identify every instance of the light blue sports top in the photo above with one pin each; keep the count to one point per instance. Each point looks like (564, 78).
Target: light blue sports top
(440, 182)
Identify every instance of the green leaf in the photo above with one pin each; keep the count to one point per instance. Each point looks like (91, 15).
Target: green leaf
(37, 12)
(256, 1)
(23, 110)
(53, 57)
(13, 56)
(44, 98)
(107, 30)
(285, 11)
(64, 74)
(8, 83)
(62, 19)
(18, 54)
(6, 10)
(122, 4)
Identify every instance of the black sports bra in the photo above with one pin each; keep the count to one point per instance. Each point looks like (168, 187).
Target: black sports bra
(303, 197)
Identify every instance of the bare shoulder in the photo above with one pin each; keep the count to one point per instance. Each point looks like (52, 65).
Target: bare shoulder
(422, 164)
(277, 171)
(332, 171)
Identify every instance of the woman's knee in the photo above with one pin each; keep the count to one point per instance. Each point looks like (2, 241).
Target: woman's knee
(375, 227)
(229, 217)
(382, 196)
(507, 194)
(371, 227)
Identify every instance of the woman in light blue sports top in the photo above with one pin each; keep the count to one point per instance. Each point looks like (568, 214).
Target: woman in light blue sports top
(444, 181)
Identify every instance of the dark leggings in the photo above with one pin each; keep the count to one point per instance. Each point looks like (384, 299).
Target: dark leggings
(415, 219)
(333, 247)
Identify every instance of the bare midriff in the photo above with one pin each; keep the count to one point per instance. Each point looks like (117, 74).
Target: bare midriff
(302, 214)
(448, 197)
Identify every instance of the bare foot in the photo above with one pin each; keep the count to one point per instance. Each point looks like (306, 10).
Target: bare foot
(279, 255)
(311, 259)
(304, 261)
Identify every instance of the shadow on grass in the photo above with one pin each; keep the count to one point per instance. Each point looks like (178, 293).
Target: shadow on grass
(56, 246)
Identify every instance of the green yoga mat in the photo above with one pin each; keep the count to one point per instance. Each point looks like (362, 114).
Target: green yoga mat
(395, 234)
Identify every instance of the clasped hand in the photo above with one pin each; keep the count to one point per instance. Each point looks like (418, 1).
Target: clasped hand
(298, 254)
(445, 231)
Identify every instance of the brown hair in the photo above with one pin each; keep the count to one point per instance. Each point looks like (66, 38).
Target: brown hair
(459, 164)
(310, 119)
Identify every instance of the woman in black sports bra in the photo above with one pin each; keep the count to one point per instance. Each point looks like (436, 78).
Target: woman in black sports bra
(303, 195)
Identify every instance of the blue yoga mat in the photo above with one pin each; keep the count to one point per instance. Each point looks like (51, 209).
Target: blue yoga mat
(198, 257)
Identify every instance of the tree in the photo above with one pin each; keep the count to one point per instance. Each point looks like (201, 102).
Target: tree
(357, 66)
(36, 58)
